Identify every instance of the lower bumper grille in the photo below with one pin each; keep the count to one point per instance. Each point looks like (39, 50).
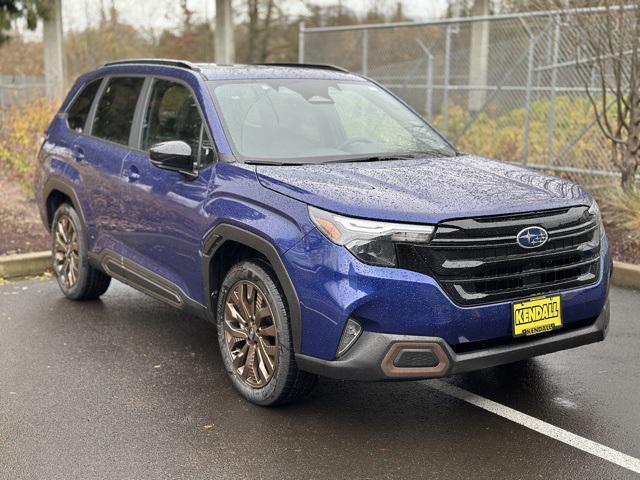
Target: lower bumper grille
(478, 261)
(468, 347)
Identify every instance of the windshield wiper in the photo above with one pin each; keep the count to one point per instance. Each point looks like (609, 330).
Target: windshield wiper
(391, 156)
(257, 161)
(371, 158)
(374, 158)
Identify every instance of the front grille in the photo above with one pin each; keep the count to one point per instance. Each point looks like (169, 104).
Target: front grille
(478, 261)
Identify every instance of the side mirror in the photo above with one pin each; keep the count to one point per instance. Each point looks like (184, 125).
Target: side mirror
(173, 155)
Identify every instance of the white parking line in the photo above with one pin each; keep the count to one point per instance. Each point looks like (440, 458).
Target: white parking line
(557, 433)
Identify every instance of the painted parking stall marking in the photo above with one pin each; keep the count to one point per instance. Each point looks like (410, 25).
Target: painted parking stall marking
(594, 448)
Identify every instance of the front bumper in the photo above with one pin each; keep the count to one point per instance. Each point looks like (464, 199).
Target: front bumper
(372, 356)
(333, 286)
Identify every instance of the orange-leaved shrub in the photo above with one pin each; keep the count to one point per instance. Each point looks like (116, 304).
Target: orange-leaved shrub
(21, 130)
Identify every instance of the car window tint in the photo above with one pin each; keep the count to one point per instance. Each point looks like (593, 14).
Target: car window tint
(114, 115)
(79, 110)
(173, 114)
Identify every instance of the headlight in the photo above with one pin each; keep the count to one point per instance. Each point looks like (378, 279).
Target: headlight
(371, 241)
(594, 211)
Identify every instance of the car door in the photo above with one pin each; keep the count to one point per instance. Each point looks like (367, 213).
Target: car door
(102, 150)
(165, 214)
(67, 157)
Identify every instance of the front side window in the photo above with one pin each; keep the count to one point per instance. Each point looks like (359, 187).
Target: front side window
(173, 114)
(117, 105)
(312, 121)
(79, 110)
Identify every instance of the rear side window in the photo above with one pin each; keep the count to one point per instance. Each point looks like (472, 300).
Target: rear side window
(114, 115)
(79, 110)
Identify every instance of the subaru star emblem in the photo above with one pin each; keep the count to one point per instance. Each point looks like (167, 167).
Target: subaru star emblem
(532, 237)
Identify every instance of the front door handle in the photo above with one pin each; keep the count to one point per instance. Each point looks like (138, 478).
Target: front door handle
(132, 174)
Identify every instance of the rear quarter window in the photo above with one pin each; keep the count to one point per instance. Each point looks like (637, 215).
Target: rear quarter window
(79, 110)
(117, 105)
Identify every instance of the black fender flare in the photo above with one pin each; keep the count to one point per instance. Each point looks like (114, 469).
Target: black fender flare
(226, 232)
(63, 187)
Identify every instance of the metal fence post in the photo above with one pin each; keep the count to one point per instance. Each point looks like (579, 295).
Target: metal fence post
(428, 94)
(301, 43)
(429, 97)
(552, 101)
(527, 106)
(445, 94)
(365, 52)
(479, 56)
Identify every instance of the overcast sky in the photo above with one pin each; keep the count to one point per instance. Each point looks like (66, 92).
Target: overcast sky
(155, 15)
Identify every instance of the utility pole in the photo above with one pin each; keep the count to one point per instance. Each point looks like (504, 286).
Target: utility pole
(479, 56)
(53, 40)
(224, 37)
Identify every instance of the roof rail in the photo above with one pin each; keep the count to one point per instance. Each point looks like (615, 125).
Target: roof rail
(320, 66)
(167, 62)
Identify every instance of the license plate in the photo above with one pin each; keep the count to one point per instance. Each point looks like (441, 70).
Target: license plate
(536, 316)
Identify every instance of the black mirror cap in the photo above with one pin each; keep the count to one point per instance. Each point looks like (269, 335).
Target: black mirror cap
(173, 155)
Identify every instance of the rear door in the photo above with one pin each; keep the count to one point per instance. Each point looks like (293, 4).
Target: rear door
(166, 219)
(61, 148)
(103, 149)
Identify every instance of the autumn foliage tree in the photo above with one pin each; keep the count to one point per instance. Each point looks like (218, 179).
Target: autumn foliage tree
(30, 10)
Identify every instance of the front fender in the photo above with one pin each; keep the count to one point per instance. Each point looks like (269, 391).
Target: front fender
(226, 232)
(247, 213)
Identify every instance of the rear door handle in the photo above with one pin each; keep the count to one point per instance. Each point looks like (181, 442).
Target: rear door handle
(78, 153)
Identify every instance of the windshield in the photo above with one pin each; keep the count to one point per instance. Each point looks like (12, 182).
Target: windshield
(314, 121)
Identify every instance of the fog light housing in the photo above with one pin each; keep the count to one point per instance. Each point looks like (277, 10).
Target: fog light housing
(352, 331)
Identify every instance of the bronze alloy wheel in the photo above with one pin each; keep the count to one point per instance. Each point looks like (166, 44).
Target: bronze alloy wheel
(66, 251)
(250, 334)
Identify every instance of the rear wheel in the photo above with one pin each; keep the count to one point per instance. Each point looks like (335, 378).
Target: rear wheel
(76, 278)
(254, 335)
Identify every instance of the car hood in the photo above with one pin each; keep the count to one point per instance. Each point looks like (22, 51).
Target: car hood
(426, 190)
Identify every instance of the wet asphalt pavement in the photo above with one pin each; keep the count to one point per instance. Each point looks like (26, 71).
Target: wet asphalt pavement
(127, 387)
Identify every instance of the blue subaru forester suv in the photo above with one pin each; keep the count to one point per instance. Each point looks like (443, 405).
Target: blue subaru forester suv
(319, 221)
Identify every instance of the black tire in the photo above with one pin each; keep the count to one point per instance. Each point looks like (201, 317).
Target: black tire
(287, 383)
(89, 283)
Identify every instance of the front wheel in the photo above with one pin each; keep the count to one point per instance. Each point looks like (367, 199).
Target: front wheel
(255, 340)
(76, 278)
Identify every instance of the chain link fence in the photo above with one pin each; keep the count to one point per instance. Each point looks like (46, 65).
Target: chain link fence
(15, 89)
(19, 89)
(507, 86)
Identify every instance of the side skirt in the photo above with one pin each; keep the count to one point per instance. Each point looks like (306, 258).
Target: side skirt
(146, 281)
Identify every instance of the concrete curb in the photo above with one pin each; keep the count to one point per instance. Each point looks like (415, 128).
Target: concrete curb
(626, 275)
(25, 264)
